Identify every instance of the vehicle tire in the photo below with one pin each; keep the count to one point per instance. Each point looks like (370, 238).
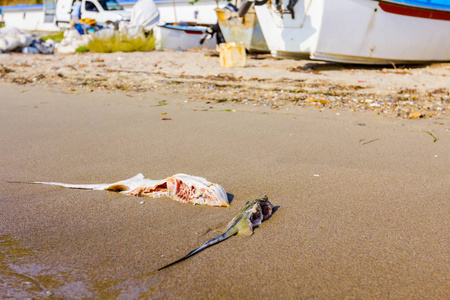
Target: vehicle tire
(260, 2)
(111, 24)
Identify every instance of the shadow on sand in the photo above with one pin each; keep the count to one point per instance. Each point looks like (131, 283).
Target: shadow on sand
(328, 66)
(230, 197)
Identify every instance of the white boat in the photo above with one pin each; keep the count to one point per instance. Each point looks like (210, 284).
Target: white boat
(358, 31)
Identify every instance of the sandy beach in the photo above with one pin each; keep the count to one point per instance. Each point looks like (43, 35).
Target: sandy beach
(361, 187)
(412, 91)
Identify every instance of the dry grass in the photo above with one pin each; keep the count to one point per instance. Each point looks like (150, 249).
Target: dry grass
(57, 37)
(119, 43)
(15, 2)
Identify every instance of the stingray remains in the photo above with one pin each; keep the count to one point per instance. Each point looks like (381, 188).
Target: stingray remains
(253, 214)
(180, 187)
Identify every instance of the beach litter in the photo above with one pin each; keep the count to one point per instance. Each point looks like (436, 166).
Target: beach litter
(371, 141)
(13, 39)
(232, 55)
(435, 138)
(252, 215)
(87, 35)
(180, 187)
(120, 36)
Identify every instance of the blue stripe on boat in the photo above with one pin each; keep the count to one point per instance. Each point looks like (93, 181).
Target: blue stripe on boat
(431, 4)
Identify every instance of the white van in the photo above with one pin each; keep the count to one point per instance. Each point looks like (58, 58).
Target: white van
(102, 11)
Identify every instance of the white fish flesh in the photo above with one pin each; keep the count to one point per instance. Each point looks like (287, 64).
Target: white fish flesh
(181, 187)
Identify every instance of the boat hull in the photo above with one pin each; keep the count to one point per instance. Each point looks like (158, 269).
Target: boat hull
(288, 37)
(361, 31)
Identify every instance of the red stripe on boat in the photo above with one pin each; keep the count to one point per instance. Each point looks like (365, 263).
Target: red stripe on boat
(415, 12)
(193, 32)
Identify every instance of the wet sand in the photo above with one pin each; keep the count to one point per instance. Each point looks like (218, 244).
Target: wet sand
(362, 199)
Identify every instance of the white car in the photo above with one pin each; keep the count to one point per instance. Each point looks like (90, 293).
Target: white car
(102, 11)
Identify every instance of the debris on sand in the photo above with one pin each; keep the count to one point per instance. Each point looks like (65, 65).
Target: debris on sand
(196, 80)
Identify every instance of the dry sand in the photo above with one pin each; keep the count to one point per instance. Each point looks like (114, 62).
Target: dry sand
(406, 91)
(362, 197)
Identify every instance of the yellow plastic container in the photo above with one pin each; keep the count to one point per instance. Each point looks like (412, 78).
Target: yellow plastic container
(232, 55)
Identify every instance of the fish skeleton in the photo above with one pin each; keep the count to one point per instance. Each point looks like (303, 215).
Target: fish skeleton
(253, 214)
(181, 187)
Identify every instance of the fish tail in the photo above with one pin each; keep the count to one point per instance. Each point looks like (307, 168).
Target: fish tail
(26, 182)
(66, 185)
(208, 244)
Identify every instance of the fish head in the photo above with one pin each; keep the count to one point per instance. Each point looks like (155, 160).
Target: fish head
(253, 214)
(266, 207)
(259, 210)
(196, 190)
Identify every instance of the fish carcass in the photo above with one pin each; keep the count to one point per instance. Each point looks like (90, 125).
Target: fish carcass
(180, 187)
(252, 215)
